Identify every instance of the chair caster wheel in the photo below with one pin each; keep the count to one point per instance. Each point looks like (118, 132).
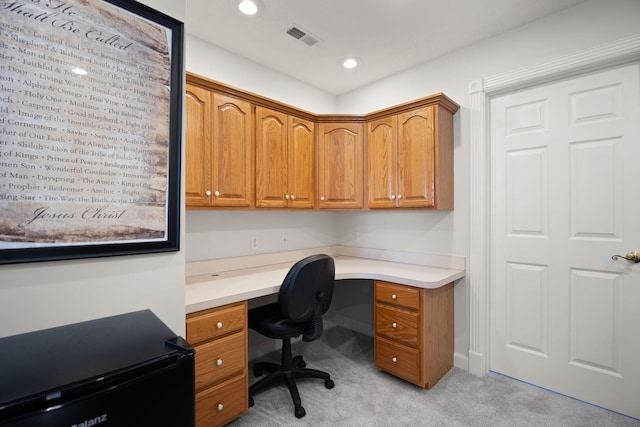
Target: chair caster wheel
(251, 402)
(329, 384)
(299, 362)
(300, 412)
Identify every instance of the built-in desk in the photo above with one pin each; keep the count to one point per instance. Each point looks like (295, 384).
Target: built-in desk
(413, 316)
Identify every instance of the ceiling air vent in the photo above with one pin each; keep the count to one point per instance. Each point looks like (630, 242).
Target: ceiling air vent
(303, 36)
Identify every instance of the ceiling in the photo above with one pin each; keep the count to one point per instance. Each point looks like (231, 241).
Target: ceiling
(388, 36)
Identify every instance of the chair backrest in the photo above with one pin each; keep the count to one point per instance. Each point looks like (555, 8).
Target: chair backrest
(306, 292)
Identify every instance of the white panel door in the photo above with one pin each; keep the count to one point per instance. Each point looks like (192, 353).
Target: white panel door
(565, 198)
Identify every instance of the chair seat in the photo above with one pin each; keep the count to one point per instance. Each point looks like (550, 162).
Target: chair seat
(269, 321)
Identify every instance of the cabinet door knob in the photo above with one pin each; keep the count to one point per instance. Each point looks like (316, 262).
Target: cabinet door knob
(394, 296)
(220, 406)
(208, 192)
(293, 197)
(219, 325)
(394, 359)
(286, 196)
(322, 198)
(219, 362)
(216, 193)
(399, 196)
(394, 325)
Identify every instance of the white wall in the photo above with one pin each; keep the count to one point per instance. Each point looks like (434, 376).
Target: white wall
(583, 26)
(42, 295)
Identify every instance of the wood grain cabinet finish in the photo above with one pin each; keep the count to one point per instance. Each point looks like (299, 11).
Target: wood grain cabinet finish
(413, 332)
(219, 337)
(341, 166)
(198, 146)
(244, 151)
(410, 160)
(219, 150)
(285, 152)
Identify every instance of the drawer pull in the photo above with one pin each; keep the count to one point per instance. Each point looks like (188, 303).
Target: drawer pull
(220, 407)
(394, 297)
(219, 362)
(219, 325)
(394, 359)
(394, 325)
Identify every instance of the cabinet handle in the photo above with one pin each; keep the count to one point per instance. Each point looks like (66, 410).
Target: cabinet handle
(216, 193)
(394, 359)
(220, 407)
(394, 296)
(293, 197)
(219, 325)
(322, 198)
(286, 196)
(219, 362)
(399, 196)
(208, 192)
(394, 325)
(393, 196)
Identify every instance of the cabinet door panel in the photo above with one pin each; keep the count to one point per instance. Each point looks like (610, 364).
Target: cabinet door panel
(232, 152)
(382, 146)
(341, 166)
(416, 158)
(302, 163)
(271, 158)
(198, 146)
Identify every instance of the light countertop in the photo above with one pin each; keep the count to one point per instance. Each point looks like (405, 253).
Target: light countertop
(216, 287)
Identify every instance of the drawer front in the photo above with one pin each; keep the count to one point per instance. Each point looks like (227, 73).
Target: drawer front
(218, 405)
(219, 359)
(400, 295)
(398, 324)
(398, 360)
(208, 324)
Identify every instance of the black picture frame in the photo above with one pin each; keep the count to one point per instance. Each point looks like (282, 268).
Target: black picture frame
(162, 160)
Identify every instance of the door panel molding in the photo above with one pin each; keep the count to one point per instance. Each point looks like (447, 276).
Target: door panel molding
(617, 52)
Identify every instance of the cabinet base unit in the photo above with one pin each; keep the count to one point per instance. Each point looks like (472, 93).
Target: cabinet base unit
(414, 332)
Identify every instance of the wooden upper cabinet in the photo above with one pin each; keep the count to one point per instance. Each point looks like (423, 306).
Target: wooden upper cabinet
(245, 151)
(285, 160)
(232, 178)
(302, 163)
(416, 159)
(341, 166)
(410, 160)
(198, 146)
(382, 175)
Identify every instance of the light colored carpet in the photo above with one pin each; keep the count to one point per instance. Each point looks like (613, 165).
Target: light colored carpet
(365, 396)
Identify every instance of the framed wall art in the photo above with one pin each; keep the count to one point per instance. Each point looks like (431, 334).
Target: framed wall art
(90, 128)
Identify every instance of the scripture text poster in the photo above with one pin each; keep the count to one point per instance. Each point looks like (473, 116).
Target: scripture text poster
(84, 124)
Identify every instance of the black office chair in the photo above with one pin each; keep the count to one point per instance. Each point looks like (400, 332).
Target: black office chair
(305, 295)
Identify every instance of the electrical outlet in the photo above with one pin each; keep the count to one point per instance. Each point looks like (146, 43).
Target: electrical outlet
(253, 242)
(356, 236)
(284, 240)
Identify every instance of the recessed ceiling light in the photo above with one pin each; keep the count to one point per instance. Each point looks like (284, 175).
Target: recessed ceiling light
(250, 7)
(350, 63)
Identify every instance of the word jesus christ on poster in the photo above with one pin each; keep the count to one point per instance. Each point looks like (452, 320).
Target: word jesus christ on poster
(89, 129)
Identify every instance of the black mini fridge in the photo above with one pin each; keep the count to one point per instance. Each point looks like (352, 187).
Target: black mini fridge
(125, 370)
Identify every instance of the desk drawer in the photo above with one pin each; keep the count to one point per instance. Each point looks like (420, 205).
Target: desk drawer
(208, 324)
(398, 324)
(218, 405)
(399, 360)
(399, 295)
(219, 359)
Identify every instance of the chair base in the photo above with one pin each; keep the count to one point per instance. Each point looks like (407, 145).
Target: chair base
(287, 373)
